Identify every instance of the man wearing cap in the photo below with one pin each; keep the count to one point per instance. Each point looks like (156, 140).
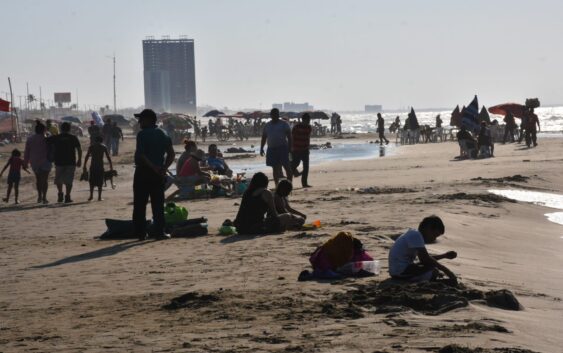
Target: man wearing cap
(278, 135)
(153, 155)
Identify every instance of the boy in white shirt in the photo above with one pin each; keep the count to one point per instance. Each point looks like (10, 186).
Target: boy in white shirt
(411, 245)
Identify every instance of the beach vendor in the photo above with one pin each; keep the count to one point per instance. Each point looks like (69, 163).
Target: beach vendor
(412, 245)
(257, 213)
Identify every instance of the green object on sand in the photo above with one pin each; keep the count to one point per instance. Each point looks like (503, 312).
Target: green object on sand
(174, 214)
(227, 230)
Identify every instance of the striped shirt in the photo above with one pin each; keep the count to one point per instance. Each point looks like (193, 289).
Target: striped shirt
(301, 135)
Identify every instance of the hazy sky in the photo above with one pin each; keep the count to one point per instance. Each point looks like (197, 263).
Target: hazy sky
(333, 54)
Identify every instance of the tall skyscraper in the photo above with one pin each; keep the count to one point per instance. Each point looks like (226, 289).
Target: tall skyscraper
(169, 70)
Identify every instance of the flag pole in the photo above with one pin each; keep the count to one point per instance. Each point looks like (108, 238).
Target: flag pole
(15, 121)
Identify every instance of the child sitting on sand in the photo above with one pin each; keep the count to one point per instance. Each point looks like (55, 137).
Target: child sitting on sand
(14, 174)
(411, 245)
(296, 218)
(330, 257)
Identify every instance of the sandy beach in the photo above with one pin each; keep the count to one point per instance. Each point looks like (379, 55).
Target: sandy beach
(62, 290)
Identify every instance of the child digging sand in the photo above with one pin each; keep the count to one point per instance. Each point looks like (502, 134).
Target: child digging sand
(14, 175)
(97, 150)
(411, 245)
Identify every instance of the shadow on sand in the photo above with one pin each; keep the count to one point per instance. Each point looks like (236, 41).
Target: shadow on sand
(108, 251)
(32, 206)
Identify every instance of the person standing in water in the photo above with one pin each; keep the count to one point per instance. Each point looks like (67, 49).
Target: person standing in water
(381, 129)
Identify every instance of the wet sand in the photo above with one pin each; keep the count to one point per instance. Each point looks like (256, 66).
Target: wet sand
(62, 290)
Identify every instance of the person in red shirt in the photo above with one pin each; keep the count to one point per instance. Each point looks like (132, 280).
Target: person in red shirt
(14, 175)
(301, 136)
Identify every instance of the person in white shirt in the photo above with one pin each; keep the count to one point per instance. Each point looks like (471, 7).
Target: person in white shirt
(412, 244)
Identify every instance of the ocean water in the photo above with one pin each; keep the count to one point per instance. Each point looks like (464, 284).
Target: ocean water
(551, 119)
(538, 198)
(338, 152)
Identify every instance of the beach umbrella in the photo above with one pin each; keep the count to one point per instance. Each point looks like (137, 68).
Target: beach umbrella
(484, 115)
(413, 120)
(502, 109)
(469, 116)
(318, 115)
(71, 119)
(455, 119)
(213, 113)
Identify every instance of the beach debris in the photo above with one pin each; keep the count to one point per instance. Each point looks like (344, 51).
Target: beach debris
(508, 179)
(503, 299)
(454, 348)
(487, 198)
(472, 327)
(429, 298)
(374, 190)
(191, 300)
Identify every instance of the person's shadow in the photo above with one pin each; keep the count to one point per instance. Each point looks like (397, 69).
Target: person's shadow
(108, 251)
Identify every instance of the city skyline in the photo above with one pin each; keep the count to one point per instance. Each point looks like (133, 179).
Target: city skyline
(332, 54)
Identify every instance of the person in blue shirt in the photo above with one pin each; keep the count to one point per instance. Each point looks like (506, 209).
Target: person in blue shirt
(217, 164)
(153, 155)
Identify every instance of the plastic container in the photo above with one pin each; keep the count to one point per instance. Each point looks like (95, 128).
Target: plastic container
(354, 267)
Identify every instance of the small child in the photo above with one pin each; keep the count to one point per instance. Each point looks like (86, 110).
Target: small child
(412, 245)
(14, 175)
(283, 190)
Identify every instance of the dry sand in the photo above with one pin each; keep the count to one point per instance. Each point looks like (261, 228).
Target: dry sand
(62, 290)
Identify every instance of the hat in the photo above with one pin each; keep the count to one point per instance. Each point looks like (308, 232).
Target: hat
(146, 113)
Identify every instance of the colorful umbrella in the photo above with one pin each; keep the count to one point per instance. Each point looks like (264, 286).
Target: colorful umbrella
(502, 109)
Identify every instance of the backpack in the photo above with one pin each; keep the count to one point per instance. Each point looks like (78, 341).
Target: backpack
(174, 214)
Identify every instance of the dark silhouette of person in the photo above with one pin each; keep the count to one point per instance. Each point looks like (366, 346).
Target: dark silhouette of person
(381, 129)
(301, 135)
(509, 127)
(153, 155)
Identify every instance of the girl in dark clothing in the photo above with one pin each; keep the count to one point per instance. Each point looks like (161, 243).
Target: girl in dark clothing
(257, 213)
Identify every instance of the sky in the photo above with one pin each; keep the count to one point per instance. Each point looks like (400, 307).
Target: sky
(337, 55)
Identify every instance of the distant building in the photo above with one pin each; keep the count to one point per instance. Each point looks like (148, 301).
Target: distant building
(169, 71)
(373, 108)
(293, 107)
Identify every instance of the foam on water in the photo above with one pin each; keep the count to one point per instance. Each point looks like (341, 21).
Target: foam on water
(539, 198)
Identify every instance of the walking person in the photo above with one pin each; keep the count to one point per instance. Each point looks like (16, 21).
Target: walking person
(106, 132)
(278, 135)
(531, 122)
(509, 127)
(381, 129)
(97, 151)
(36, 153)
(65, 147)
(14, 175)
(301, 138)
(116, 135)
(153, 155)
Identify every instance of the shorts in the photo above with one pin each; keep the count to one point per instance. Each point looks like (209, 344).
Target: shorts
(44, 167)
(416, 273)
(14, 177)
(276, 156)
(96, 177)
(64, 174)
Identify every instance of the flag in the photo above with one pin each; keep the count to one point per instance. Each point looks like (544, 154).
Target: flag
(455, 119)
(469, 118)
(413, 121)
(4, 105)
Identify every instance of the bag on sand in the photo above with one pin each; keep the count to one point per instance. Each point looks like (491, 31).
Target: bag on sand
(195, 228)
(120, 229)
(174, 214)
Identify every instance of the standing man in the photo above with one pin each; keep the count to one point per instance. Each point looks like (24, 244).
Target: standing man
(65, 147)
(381, 129)
(116, 135)
(153, 155)
(278, 135)
(301, 135)
(509, 127)
(531, 122)
(93, 131)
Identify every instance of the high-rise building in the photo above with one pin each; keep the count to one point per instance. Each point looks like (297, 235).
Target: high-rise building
(169, 70)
